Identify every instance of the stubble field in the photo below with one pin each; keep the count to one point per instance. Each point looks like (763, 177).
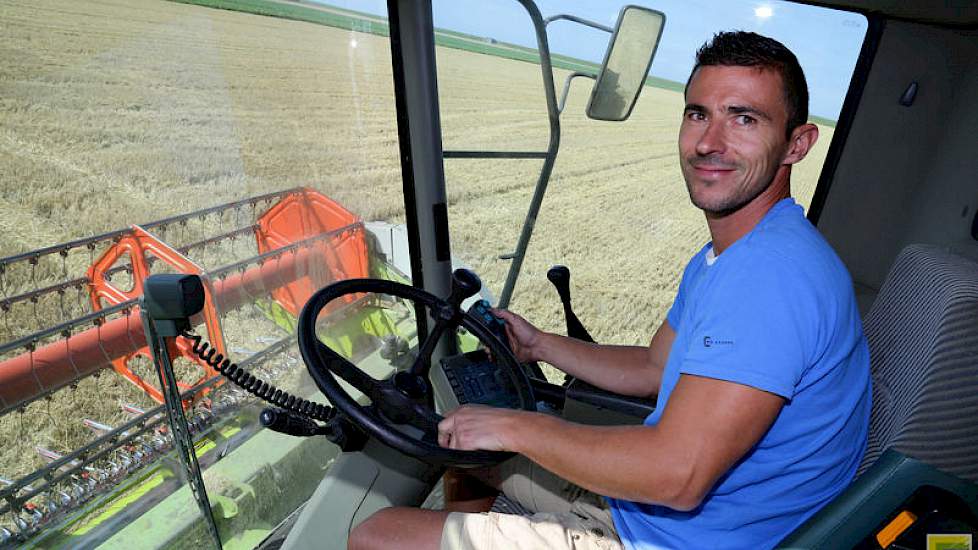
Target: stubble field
(115, 112)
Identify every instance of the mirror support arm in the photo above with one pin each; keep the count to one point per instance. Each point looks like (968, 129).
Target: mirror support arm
(539, 25)
(578, 20)
(567, 83)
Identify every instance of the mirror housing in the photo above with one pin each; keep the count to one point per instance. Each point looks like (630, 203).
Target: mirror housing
(626, 63)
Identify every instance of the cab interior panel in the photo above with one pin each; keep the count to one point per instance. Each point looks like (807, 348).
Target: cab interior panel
(908, 174)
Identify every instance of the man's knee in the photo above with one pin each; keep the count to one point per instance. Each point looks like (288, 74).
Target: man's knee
(373, 532)
(398, 528)
(363, 536)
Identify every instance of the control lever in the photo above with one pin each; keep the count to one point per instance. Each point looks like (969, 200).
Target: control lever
(480, 310)
(288, 423)
(337, 429)
(559, 275)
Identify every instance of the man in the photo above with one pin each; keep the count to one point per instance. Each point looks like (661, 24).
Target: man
(761, 368)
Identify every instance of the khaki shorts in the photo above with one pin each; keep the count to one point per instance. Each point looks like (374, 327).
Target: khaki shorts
(566, 516)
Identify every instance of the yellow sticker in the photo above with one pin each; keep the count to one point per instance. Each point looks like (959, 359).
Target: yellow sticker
(949, 542)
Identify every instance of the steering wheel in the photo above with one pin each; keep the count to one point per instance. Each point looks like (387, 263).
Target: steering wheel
(406, 397)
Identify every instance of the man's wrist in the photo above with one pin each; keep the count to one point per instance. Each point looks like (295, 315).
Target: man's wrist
(524, 428)
(542, 347)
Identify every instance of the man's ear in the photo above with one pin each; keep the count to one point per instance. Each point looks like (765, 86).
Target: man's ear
(802, 140)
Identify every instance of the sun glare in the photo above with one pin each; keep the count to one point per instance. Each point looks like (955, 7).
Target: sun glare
(353, 43)
(763, 12)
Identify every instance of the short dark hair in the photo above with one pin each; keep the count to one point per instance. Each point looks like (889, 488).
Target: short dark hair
(749, 49)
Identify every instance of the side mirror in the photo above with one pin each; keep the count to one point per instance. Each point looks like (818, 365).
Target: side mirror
(626, 63)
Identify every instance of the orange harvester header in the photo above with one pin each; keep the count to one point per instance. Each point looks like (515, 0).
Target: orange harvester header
(305, 242)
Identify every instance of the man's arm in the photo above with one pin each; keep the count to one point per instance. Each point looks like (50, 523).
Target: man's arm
(707, 426)
(628, 370)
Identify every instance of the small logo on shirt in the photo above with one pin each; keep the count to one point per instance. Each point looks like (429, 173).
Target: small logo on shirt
(709, 342)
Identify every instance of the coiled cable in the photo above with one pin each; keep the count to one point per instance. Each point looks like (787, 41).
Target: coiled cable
(256, 386)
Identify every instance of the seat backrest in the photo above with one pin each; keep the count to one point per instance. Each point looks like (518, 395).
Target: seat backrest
(923, 339)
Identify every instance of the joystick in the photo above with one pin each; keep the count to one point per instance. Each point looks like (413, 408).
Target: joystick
(481, 311)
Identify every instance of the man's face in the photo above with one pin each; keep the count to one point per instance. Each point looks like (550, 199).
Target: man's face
(732, 139)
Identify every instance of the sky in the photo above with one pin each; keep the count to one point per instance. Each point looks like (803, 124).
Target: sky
(826, 42)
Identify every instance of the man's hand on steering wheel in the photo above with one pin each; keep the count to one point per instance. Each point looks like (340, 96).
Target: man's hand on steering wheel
(478, 427)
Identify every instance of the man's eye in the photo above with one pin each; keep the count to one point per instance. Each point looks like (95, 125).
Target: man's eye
(746, 120)
(694, 115)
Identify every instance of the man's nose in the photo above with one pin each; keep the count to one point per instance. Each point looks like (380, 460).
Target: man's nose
(712, 139)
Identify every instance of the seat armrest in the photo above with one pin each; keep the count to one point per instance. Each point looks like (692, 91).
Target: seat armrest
(860, 510)
(592, 405)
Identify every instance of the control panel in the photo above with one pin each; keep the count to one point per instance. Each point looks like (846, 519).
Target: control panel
(475, 379)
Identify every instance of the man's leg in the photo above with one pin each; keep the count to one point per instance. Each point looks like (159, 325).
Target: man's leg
(403, 527)
(465, 493)
(532, 486)
(400, 527)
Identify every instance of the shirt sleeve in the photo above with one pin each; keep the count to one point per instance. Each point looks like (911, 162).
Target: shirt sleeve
(675, 313)
(755, 328)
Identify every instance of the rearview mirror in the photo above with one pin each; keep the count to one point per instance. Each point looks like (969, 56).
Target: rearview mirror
(626, 63)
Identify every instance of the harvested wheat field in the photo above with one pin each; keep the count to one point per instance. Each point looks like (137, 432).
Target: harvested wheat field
(115, 112)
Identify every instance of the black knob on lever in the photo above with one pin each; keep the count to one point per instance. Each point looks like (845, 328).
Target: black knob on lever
(465, 283)
(559, 275)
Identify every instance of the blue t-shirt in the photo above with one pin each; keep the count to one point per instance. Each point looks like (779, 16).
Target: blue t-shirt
(775, 311)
